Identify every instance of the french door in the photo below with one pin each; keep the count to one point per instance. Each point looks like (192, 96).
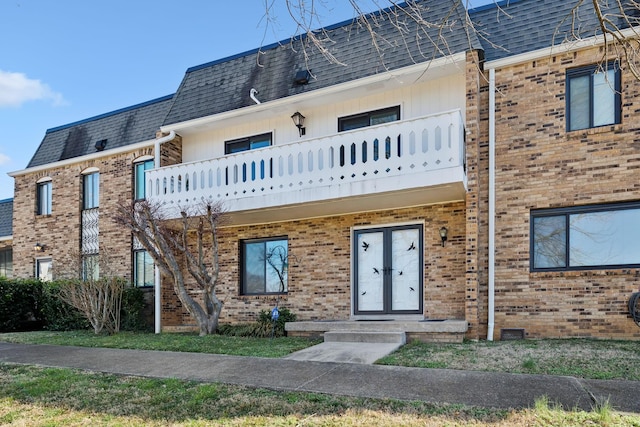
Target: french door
(388, 270)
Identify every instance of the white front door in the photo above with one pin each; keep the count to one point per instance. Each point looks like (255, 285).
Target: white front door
(388, 270)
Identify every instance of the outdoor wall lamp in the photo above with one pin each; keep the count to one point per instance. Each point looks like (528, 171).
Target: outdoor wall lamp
(38, 247)
(443, 234)
(298, 120)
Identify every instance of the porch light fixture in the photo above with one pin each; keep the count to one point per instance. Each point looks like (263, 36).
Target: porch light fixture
(38, 247)
(298, 120)
(443, 234)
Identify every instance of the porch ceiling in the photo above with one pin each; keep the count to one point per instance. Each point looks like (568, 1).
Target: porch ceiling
(453, 192)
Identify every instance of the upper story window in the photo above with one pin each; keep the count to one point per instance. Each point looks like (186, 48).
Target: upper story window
(370, 118)
(580, 238)
(593, 97)
(44, 196)
(139, 185)
(248, 143)
(264, 266)
(91, 190)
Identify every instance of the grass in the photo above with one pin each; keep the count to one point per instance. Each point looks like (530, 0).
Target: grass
(584, 358)
(54, 397)
(218, 344)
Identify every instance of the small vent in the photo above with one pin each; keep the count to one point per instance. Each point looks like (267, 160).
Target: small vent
(101, 144)
(302, 77)
(511, 334)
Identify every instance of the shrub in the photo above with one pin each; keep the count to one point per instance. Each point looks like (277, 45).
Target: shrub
(263, 328)
(19, 304)
(132, 315)
(57, 315)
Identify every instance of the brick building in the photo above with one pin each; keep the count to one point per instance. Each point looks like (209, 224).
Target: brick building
(458, 183)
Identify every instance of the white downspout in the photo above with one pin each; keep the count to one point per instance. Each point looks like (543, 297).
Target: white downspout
(156, 281)
(492, 202)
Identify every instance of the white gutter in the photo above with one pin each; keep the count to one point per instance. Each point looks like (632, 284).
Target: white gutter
(412, 71)
(558, 49)
(6, 238)
(156, 281)
(93, 156)
(492, 202)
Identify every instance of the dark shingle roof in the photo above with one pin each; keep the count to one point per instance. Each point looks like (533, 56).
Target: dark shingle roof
(225, 84)
(120, 128)
(6, 217)
(512, 27)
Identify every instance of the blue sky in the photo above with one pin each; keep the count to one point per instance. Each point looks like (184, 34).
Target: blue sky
(67, 60)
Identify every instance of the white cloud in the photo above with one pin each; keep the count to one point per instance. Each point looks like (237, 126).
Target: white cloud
(17, 88)
(4, 159)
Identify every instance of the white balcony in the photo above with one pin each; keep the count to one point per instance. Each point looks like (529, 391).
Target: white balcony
(398, 164)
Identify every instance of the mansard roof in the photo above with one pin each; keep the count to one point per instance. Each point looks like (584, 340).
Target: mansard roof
(513, 27)
(6, 217)
(226, 84)
(119, 128)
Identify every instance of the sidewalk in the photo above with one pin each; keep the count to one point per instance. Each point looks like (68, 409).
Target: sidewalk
(485, 389)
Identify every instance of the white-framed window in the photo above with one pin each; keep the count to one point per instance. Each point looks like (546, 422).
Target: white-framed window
(91, 190)
(143, 269)
(90, 267)
(6, 262)
(593, 96)
(44, 269)
(44, 192)
(264, 266)
(139, 184)
(586, 237)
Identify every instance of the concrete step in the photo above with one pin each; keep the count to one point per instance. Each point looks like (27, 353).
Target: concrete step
(366, 337)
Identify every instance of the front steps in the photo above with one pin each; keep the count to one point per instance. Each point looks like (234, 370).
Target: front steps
(449, 330)
(366, 337)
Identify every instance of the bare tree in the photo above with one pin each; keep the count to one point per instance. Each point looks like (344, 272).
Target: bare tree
(189, 243)
(616, 21)
(88, 284)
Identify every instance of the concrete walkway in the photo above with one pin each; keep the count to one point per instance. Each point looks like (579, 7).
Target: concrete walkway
(485, 389)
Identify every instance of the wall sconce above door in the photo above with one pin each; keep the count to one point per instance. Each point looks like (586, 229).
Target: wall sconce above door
(38, 247)
(298, 120)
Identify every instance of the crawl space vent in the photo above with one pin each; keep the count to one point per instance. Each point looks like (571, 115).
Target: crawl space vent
(511, 334)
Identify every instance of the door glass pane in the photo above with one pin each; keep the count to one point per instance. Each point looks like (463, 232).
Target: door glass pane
(549, 242)
(370, 280)
(44, 270)
(405, 273)
(604, 96)
(605, 238)
(579, 102)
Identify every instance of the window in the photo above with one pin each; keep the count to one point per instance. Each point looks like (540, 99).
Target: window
(593, 97)
(44, 198)
(265, 265)
(139, 184)
(249, 143)
(587, 237)
(370, 118)
(143, 274)
(90, 267)
(44, 269)
(91, 190)
(6, 262)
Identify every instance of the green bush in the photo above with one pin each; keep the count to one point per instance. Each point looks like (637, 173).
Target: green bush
(263, 328)
(132, 310)
(57, 315)
(19, 305)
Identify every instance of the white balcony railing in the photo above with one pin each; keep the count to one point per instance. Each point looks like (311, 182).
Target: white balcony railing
(397, 149)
